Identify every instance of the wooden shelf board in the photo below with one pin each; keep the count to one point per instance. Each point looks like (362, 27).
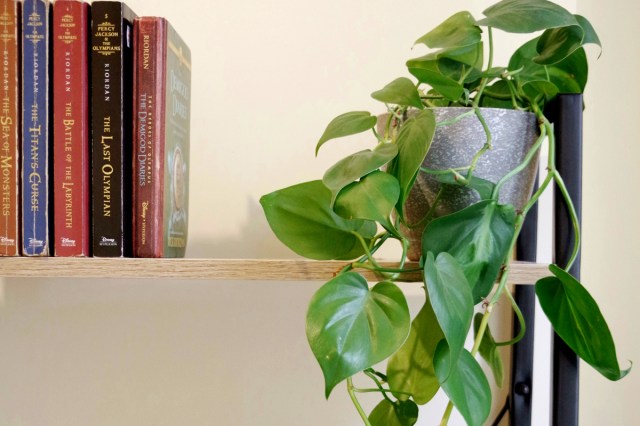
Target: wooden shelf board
(211, 269)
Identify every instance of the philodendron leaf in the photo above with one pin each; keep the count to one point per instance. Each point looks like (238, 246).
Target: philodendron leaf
(576, 318)
(451, 299)
(498, 95)
(411, 368)
(568, 76)
(355, 166)
(483, 187)
(371, 198)
(428, 72)
(466, 385)
(350, 328)
(489, 351)
(401, 413)
(346, 124)
(458, 30)
(400, 91)
(556, 44)
(453, 63)
(301, 217)
(478, 237)
(590, 35)
(526, 16)
(414, 141)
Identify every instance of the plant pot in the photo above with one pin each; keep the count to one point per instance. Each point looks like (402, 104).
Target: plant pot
(454, 145)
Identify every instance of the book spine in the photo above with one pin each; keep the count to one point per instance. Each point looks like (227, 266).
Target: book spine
(177, 134)
(35, 128)
(149, 94)
(71, 128)
(10, 128)
(111, 105)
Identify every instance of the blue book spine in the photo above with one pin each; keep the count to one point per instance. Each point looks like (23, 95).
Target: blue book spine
(35, 128)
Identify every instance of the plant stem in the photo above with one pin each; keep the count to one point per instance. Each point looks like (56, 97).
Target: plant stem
(367, 252)
(487, 145)
(485, 80)
(454, 120)
(574, 218)
(359, 265)
(443, 171)
(447, 414)
(530, 155)
(352, 394)
(521, 321)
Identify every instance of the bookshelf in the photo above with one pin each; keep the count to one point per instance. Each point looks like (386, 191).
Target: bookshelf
(210, 269)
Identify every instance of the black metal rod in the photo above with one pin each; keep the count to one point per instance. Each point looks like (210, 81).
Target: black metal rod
(522, 352)
(566, 115)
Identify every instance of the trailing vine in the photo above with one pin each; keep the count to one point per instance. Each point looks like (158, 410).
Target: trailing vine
(359, 206)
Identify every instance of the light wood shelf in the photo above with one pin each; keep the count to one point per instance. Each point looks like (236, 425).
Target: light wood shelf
(211, 269)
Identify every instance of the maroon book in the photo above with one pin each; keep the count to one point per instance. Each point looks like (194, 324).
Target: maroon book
(10, 125)
(162, 91)
(71, 180)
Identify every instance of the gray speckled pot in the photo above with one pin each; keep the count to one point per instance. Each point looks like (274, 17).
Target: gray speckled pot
(454, 145)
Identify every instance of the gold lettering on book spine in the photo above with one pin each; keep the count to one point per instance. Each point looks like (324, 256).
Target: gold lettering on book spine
(109, 43)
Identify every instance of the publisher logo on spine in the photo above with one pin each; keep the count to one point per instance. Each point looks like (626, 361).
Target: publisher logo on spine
(7, 242)
(107, 242)
(33, 242)
(67, 242)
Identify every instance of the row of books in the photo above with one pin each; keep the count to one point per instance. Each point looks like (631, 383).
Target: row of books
(95, 124)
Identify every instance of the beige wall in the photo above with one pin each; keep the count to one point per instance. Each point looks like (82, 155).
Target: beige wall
(268, 75)
(611, 204)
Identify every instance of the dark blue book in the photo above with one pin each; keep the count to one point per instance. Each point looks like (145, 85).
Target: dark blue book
(36, 220)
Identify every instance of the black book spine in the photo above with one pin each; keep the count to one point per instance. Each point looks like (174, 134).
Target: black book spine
(111, 108)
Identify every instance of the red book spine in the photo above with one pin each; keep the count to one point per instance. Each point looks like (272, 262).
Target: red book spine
(71, 180)
(149, 90)
(10, 128)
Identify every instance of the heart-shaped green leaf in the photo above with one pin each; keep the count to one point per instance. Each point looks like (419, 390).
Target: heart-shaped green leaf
(411, 368)
(401, 413)
(590, 35)
(568, 76)
(478, 237)
(355, 166)
(489, 351)
(466, 386)
(451, 299)
(458, 30)
(400, 91)
(526, 16)
(498, 95)
(483, 187)
(414, 141)
(371, 198)
(556, 44)
(303, 220)
(350, 328)
(349, 123)
(427, 72)
(467, 56)
(576, 318)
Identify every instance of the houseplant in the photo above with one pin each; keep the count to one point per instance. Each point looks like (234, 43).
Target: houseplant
(360, 205)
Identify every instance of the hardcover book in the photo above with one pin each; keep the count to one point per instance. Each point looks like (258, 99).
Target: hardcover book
(35, 128)
(111, 109)
(161, 137)
(10, 121)
(71, 181)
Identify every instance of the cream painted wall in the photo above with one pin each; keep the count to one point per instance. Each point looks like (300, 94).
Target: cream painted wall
(611, 204)
(268, 75)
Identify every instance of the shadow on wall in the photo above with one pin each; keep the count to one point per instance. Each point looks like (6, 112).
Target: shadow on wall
(255, 241)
